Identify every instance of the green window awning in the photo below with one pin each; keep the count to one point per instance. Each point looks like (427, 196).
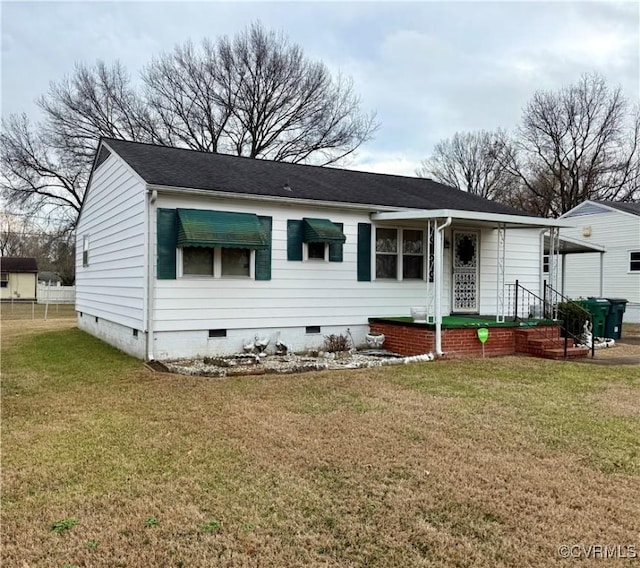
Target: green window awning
(201, 228)
(321, 231)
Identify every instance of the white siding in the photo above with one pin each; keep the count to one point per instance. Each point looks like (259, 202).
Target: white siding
(619, 233)
(112, 286)
(301, 294)
(522, 263)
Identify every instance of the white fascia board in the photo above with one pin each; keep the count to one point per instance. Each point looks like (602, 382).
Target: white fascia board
(579, 206)
(291, 201)
(598, 204)
(470, 216)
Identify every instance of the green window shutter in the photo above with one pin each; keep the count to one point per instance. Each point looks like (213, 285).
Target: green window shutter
(335, 248)
(294, 239)
(364, 252)
(167, 239)
(263, 256)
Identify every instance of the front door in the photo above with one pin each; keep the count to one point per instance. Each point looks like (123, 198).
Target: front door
(465, 271)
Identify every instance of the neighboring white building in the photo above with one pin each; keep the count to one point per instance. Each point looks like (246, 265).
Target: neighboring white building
(614, 273)
(183, 253)
(18, 278)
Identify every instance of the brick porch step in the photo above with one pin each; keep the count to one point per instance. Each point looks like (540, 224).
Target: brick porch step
(550, 343)
(572, 353)
(540, 343)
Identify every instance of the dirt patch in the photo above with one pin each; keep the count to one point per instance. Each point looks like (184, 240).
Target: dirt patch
(624, 352)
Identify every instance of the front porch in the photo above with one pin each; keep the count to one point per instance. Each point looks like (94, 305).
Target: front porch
(459, 337)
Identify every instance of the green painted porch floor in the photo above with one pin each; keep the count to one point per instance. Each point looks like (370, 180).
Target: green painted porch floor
(459, 321)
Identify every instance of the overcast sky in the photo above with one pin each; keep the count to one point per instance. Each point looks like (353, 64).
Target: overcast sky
(428, 69)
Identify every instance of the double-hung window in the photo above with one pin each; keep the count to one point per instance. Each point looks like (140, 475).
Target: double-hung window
(634, 261)
(400, 254)
(4, 279)
(217, 262)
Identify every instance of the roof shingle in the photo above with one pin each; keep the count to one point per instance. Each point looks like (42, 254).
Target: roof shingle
(182, 168)
(633, 208)
(18, 264)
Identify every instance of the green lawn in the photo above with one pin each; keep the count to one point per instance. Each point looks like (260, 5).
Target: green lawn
(488, 463)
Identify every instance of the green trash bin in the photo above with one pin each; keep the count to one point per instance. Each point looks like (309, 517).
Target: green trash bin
(613, 325)
(599, 309)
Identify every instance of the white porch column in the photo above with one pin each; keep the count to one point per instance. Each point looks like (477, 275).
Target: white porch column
(438, 277)
(430, 269)
(601, 273)
(500, 268)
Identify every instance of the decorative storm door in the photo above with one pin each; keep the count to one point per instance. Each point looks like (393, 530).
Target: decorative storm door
(465, 271)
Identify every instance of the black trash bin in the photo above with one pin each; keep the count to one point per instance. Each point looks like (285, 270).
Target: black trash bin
(613, 323)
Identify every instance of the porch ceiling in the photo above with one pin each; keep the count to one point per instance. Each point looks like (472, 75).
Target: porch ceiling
(472, 217)
(569, 245)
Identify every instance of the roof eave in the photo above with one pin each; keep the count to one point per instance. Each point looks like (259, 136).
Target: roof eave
(173, 190)
(512, 220)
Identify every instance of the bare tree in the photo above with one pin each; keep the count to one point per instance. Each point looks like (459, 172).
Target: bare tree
(578, 143)
(470, 161)
(45, 166)
(184, 94)
(255, 95)
(36, 176)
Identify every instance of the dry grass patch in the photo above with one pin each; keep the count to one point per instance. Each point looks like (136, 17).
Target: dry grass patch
(620, 401)
(463, 463)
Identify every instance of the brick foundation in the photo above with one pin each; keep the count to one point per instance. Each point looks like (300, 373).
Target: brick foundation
(415, 339)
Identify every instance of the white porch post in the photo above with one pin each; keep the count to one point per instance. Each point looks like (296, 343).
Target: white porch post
(554, 246)
(500, 267)
(601, 273)
(430, 270)
(438, 277)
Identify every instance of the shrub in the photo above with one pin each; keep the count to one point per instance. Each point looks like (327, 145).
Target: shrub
(573, 318)
(334, 343)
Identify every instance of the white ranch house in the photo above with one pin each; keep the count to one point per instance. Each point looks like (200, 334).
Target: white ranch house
(183, 254)
(612, 229)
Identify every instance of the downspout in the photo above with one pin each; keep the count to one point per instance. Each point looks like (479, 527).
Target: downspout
(438, 277)
(601, 273)
(153, 197)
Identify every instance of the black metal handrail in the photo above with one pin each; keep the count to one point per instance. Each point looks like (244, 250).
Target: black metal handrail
(573, 318)
(524, 304)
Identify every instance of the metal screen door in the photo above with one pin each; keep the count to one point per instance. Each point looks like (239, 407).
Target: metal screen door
(465, 271)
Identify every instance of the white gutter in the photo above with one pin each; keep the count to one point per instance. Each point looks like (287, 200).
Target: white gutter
(153, 197)
(470, 216)
(438, 277)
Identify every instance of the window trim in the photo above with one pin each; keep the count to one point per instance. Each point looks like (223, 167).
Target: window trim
(629, 269)
(217, 266)
(307, 258)
(399, 254)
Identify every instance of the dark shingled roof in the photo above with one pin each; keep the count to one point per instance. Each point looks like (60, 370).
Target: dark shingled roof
(633, 208)
(177, 167)
(18, 264)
